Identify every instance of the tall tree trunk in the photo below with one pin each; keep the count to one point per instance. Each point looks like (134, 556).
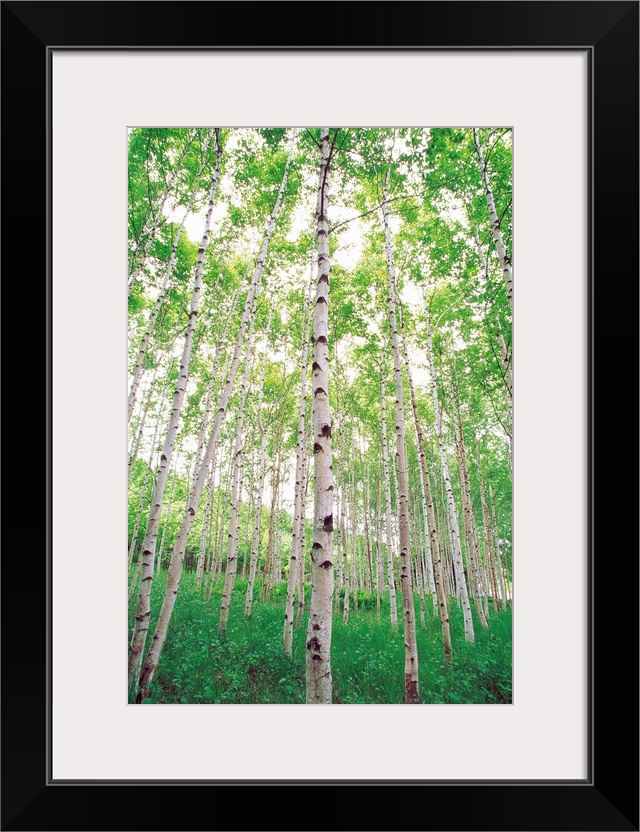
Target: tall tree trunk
(438, 599)
(461, 583)
(177, 556)
(318, 647)
(303, 521)
(143, 609)
(267, 574)
(379, 566)
(496, 232)
(167, 513)
(213, 375)
(411, 682)
(298, 528)
(135, 447)
(200, 567)
(506, 363)
(473, 550)
(501, 576)
(255, 539)
(232, 560)
(387, 491)
(137, 373)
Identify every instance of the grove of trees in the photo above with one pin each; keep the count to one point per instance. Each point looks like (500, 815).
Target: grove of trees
(319, 405)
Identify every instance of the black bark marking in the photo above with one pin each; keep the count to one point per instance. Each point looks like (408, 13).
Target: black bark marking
(315, 627)
(321, 300)
(326, 564)
(324, 278)
(319, 390)
(314, 644)
(328, 523)
(317, 448)
(315, 366)
(317, 546)
(321, 339)
(163, 458)
(316, 658)
(326, 431)
(192, 511)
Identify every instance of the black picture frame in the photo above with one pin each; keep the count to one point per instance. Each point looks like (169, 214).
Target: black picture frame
(608, 798)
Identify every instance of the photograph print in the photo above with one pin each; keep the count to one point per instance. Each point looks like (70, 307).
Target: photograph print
(320, 415)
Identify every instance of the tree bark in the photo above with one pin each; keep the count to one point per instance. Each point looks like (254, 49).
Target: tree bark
(461, 583)
(387, 491)
(318, 646)
(232, 559)
(296, 547)
(411, 682)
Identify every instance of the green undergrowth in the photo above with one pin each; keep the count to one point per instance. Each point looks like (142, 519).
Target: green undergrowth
(247, 664)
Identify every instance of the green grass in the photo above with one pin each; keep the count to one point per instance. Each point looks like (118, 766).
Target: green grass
(247, 665)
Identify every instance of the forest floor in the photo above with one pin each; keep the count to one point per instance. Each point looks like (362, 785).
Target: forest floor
(247, 664)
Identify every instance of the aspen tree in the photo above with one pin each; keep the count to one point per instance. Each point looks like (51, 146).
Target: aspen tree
(297, 545)
(461, 583)
(318, 646)
(411, 683)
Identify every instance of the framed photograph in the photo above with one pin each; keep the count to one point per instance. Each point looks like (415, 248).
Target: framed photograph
(89, 88)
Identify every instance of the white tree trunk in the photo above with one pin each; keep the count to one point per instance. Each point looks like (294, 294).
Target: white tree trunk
(461, 583)
(232, 559)
(496, 232)
(387, 493)
(318, 647)
(411, 682)
(298, 529)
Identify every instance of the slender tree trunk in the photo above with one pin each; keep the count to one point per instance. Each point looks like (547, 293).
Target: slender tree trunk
(379, 566)
(232, 560)
(345, 561)
(318, 647)
(267, 580)
(475, 566)
(137, 373)
(255, 540)
(303, 520)
(168, 513)
(298, 528)
(411, 683)
(202, 438)
(496, 232)
(177, 556)
(501, 577)
(461, 583)
(438, 599)
(203, 537)
(506, 363)
(133, 455)
(143, 609)
(387, 490)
